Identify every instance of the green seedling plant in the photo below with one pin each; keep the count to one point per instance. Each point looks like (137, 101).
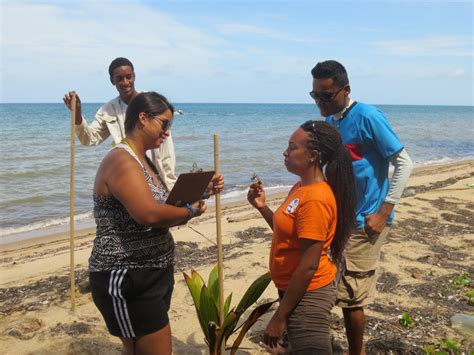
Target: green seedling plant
(406, 321)
(206, 302)
(444, 347)
(451, 345)
(470, 297)
(462, 280)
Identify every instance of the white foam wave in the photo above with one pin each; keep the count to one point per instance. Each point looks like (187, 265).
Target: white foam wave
(43, 225)
(441, 160)
(240, 194)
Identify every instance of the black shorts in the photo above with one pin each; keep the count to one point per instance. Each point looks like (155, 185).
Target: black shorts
(133, 302)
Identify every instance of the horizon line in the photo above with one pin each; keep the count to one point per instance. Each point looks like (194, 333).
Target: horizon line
(247, 103)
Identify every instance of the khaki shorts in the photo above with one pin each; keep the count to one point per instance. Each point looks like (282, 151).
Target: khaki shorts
(357, 281)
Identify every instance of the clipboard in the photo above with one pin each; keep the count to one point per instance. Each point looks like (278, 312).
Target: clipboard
(189, 188)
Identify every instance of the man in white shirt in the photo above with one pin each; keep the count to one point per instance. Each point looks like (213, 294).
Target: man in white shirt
(110, 118)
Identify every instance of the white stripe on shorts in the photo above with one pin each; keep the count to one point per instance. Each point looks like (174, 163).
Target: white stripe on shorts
(111, 293)
(120, 306)
(126, 318)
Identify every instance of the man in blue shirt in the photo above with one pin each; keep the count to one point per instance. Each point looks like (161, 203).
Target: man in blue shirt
(373, 144)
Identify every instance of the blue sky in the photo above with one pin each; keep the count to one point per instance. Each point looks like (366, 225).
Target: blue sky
(396, 52)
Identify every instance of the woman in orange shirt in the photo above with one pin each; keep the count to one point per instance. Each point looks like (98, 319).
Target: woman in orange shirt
(310, 230)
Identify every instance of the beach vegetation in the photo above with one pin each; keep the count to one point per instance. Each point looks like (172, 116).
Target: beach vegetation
(462, 280)
(206, 302)
(470, 296)
(405, 320)
(444, 347)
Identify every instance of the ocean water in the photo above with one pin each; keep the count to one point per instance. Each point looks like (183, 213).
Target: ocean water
(35, 153)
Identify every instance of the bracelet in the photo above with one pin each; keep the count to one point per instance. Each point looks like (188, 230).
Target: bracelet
(192, 212)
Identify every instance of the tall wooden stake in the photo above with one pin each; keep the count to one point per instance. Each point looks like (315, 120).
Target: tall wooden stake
(71, 206)
(220, 262)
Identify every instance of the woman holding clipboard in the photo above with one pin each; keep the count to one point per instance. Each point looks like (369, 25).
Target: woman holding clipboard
(131, 265)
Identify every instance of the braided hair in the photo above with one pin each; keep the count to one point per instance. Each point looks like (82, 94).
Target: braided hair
(326, 140)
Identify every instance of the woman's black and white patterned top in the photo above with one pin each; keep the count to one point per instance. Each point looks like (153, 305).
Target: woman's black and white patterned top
(123, 243)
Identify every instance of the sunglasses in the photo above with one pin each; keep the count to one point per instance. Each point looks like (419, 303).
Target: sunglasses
(165, 124)
(325, 96)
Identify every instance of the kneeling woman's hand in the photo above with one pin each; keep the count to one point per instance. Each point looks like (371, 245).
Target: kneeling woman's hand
(273, 335)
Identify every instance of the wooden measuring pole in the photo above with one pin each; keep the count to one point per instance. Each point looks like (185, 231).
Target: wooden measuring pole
(220, 262)
(71, 205)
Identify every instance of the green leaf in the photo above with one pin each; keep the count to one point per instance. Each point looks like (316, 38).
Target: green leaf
(470, 293)
(253, 317)
(195, 284)
(213, 284)
(428, 349)
(227, 305)
(462, 280)
(253, 293)
(451, 344)
(206, 304)
(207, 309)
(406, 321)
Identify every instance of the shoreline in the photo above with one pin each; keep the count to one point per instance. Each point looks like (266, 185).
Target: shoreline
(80, 232)
(430, 245)
(88, 225)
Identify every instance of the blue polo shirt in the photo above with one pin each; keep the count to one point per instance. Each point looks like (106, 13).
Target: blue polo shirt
(371, 141)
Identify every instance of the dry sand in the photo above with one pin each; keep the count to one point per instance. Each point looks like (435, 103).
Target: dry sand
(431, 243)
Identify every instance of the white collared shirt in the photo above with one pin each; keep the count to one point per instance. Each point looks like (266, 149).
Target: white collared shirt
(110, 121)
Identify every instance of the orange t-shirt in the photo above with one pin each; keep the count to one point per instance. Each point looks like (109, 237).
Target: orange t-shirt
(308, 212)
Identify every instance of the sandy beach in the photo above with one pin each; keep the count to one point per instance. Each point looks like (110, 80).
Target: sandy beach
(431, 243)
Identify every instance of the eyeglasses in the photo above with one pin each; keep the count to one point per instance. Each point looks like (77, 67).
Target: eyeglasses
(165, 124)
(325, 96)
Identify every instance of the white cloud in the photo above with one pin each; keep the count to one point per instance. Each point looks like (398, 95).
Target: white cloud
(454, 46)
(442, 73)
(408, 70)
(51, 48)
(94, 33)
(458, 73)
(240, 28)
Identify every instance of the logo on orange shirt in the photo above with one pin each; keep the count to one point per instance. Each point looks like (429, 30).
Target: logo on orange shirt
(292, 206)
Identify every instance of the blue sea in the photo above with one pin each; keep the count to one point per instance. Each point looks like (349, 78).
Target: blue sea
(35, 153)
